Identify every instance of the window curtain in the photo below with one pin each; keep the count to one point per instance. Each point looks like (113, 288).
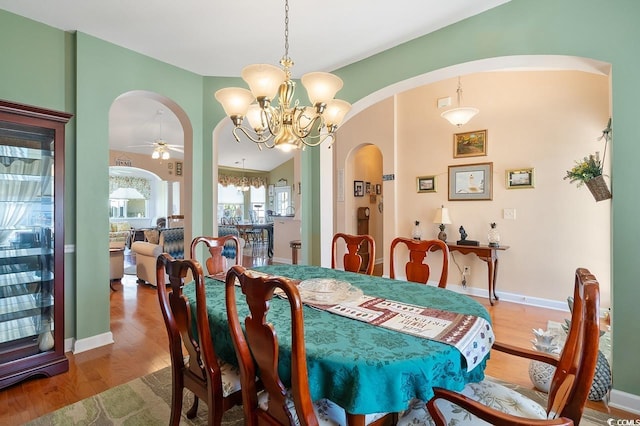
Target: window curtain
(255, 181)
(141, 184)
(24, 182)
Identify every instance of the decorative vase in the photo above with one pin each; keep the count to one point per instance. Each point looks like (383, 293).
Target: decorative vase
(598, 188)
(493, 235)
(45, 339)
(416, 233)
(541, 373)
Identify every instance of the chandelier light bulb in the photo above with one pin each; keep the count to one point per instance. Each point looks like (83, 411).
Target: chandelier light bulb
(155, 154)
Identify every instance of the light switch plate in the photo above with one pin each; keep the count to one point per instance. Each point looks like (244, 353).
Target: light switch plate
(444, 102)
(509, 214)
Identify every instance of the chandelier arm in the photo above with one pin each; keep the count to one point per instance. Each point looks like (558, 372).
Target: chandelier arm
(258, 139)
(320, 138)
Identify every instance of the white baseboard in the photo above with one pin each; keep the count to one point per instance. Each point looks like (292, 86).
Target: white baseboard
(625, 401)
(281, 260)
(92, 342)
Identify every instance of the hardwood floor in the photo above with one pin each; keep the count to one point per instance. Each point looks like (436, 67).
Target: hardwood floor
(140, 348)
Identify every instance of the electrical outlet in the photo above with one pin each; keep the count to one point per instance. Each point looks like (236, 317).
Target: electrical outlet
(509, 214)
(466, 270)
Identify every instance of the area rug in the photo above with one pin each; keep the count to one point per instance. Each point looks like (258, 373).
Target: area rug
(146, 401)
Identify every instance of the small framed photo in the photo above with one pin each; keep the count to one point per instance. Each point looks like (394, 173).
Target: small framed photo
(358, 188)
(367, 187)
(519, 178)
(471, 182)
(378, 189)
(372, 198)
(470, 144)
(426, 184)
(178, 168)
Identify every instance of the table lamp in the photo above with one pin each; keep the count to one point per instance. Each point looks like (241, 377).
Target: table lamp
(442, 217)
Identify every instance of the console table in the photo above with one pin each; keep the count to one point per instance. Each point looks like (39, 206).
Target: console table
(489, 255)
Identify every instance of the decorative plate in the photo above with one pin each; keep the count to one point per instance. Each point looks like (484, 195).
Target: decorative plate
(327, 291)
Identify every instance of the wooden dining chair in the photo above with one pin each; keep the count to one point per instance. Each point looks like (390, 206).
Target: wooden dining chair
(219, 248)
(211, 380)
(575, 369)
(258, 353)
(353, 258)
(415, 270)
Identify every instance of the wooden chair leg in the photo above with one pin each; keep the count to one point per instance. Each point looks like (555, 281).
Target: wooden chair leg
(193, 411)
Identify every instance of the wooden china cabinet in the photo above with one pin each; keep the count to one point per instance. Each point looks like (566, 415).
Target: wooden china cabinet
(31, 242)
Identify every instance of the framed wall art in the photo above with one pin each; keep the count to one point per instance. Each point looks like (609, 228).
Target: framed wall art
(426, 184)
(367, 187)
(471, 182)
(470, 144)
(519, 178)
(358, 188)
(378, 189)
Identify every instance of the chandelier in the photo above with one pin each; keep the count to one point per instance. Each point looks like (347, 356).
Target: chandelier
(283, 125)
(461, 115)
(161, 151)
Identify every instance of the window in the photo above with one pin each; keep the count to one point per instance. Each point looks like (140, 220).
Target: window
(230, 204)
(258, 198)
(282, 200)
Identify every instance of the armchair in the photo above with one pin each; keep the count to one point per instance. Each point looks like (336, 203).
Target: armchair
(171, 241)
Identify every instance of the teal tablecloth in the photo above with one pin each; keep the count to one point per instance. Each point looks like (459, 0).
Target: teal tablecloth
(363, 368)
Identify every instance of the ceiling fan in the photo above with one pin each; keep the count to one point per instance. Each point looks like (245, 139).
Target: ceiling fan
(160, 146)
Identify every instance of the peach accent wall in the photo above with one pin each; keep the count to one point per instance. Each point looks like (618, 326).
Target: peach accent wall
(545, 120)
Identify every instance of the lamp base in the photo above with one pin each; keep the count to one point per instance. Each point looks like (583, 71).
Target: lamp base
(468, 243)
(442, 236)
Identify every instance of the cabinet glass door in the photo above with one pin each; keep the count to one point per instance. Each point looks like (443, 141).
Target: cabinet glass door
(26, 240)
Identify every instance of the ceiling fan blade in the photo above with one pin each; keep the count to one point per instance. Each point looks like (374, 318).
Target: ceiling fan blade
(176, 148)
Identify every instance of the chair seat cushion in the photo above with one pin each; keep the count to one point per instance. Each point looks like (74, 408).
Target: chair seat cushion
(230, 378)
(328, 412)
(486, 392)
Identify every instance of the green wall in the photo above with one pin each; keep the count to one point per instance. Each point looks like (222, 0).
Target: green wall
(37, 73)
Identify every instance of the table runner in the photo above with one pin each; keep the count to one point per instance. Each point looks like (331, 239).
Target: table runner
(471, 335)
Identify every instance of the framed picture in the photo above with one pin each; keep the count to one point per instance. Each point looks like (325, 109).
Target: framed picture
(470, 144)
(426, 184)
(519, 178)
(378, 189)
(178, 168)
(471, 182)
(372, 198)
(271, 190)
(367, 187)
(358, 188)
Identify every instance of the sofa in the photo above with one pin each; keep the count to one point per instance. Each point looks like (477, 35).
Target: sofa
(170, 240)
(119, 232)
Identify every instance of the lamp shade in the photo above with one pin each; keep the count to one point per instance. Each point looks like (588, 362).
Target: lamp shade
(336, 111)
(460, 116)
(321, 86)
(264, 80)
(234, 100)
(126, 194)
(442, 216)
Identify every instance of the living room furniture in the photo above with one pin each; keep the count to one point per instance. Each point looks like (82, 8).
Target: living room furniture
(116, 263)
(570, 386)
(488, 254)
(216, 383)
(31, 242)
(171, 241)
(416, 270)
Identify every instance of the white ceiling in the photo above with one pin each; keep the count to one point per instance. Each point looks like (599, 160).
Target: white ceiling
(219, 38)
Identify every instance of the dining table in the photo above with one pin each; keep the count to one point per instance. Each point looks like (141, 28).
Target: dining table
(362, 367)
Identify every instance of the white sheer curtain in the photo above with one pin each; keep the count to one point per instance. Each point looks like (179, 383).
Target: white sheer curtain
(23, 181)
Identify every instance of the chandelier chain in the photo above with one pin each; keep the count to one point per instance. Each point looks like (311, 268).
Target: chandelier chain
(286, 32)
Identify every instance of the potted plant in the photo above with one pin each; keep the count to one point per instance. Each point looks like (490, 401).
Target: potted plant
(588, 171)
